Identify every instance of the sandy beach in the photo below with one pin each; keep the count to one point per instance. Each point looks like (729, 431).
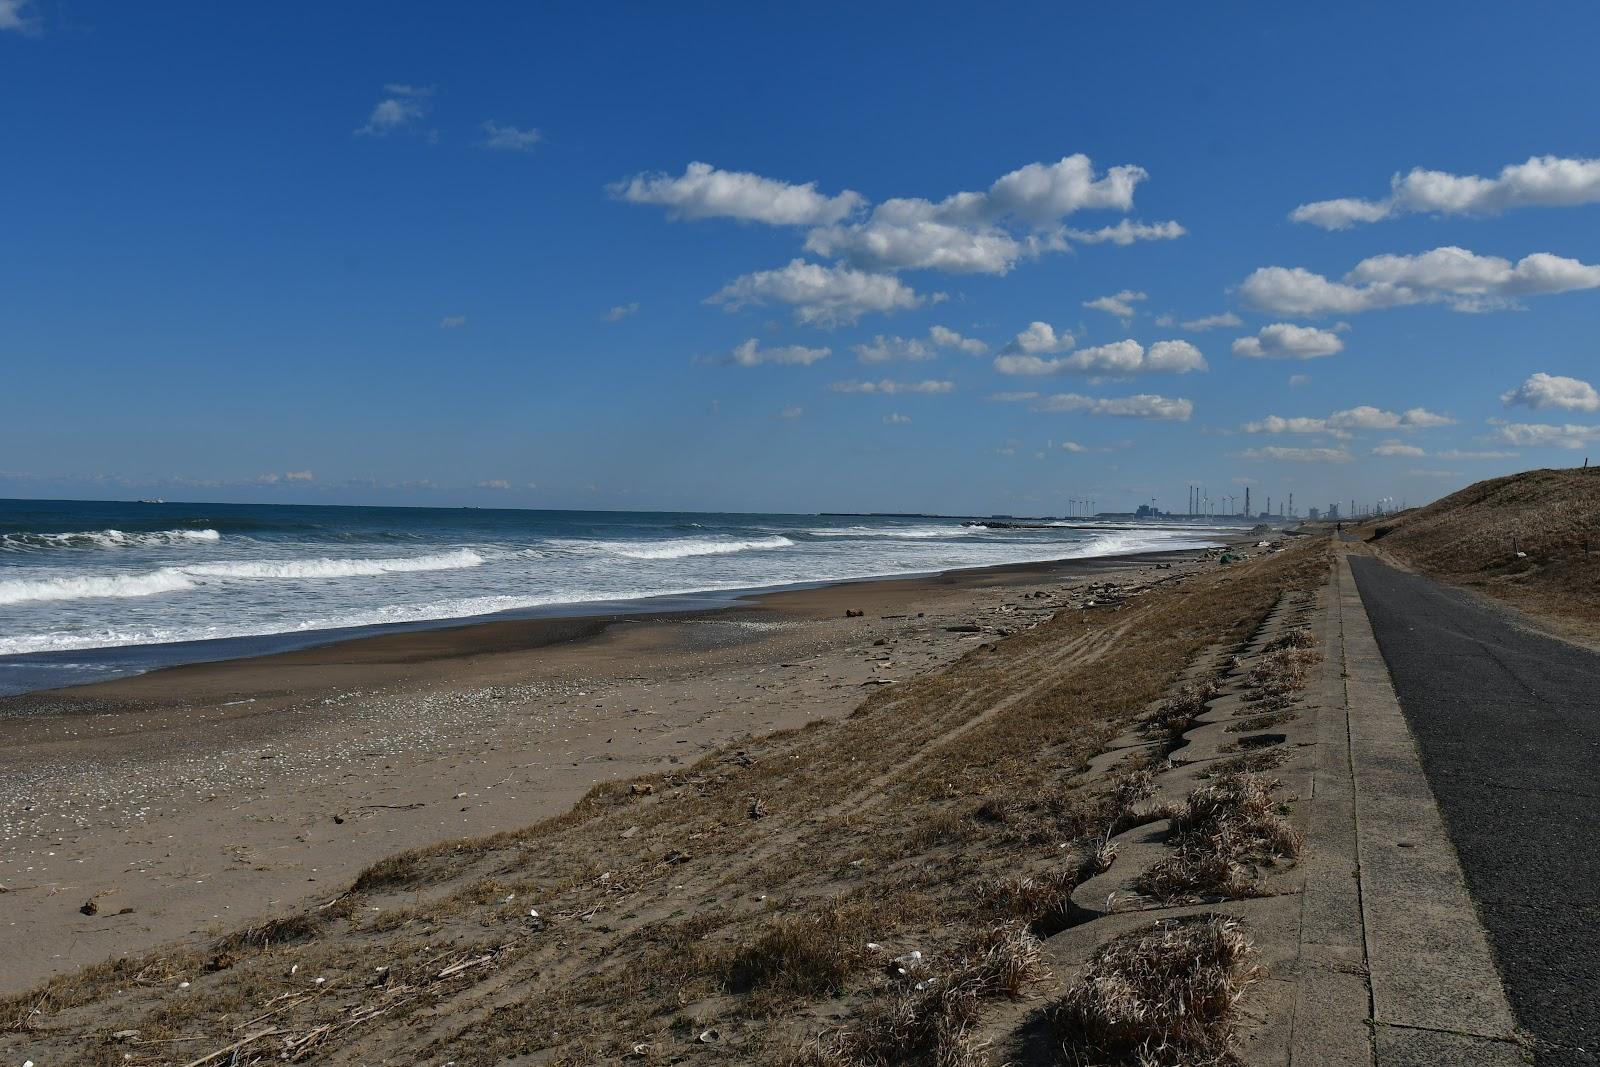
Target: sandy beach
(186, 801)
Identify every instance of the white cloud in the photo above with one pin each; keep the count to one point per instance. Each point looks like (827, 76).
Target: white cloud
(1283, 340)
(823, 296)
(1073, 447)
(1457, 454)
(507, 138)
(1126, 232)
(1398, 448)
(793, 411)
(888, 349)
(1553, 391)
(1211, 322)
(1117, 358)
(986, 232)
(1140, 406)
(495, 483)
(622, 311)
(894, 418)
(1297, 380)
(1040, 338)
(1340, 423)
(945, 337)
(1465, 280)
(14, 15)
(400, 110)
(891, 388)
(1544, 435)
(452, 322)
(751, 354)
(1118, 304)
(1543, 181)
(1299, 455)
(704, 192)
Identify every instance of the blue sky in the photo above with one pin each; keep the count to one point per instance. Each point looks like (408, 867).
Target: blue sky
(405, 253)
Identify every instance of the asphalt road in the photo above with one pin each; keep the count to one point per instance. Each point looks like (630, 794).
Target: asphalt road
(1508, 723)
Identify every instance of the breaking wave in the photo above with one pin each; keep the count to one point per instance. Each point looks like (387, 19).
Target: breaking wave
(106, 539)
(688, 546)
(174, 579)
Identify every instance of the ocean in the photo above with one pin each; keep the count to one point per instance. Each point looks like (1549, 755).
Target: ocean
(91, 589)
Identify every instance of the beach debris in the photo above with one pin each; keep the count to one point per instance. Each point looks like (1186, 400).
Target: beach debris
(852, 613)
(904, 965)
(758, 810)
(965, 628)
(125, 1035)
(710, 1037)
(641, 789)
(90, 907)
(629, 832)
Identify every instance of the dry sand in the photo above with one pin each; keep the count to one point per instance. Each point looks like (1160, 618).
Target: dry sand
(195, 799)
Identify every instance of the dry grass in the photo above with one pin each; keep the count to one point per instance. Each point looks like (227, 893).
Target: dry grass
(1473, 537)
(1222, 829)
(1162, 996)
(932, 1023)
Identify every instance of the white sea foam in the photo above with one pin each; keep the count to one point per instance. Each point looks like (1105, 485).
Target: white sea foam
(335, 568)
(106, 539)
(166, 580)
(912, 532)
(688, 546)
(174, 579)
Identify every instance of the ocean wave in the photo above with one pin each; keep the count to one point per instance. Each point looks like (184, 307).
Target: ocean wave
(106, 538)
(688, 546)
(81, 587)
(912, 532)
(176, 579)
(335, 568)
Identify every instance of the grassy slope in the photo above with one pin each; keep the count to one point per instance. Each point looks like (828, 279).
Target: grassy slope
(1467, 538)
(736, 897)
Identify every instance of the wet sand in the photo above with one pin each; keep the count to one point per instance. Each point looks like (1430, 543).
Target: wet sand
(195, 799)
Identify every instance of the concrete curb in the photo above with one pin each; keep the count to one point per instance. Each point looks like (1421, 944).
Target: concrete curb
(1387, 923)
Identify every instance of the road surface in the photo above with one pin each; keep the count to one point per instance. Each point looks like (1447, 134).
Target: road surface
(1508, 724)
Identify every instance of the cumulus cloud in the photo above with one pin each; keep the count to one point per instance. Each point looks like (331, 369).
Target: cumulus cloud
(886, 387)
(1040, 338)
(751, 354)
(1117, 358)
(1553, 391)
(883, 349)
(985, 232)
(1127, 232)
(1118, 304)
(945, 337)
(1463, 279)
(1398, 448)
(1458, 454)
(1073, 447)
(822, 296)
(1299, 455)
(401, 110)
(1340, 423)
(1544, 435)
(1211, 322)
(504, 138)
(1284, 340)
(1139, 406)
(1542, 181)
(622, 311)
(705, 192)
(894, 418)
